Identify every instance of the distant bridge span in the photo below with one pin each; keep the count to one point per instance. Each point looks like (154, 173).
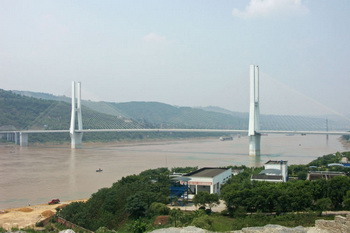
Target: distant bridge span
(261, 132)
(21, 137)
(254, 132)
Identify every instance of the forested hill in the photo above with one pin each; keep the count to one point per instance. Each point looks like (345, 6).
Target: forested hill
(168, 116)
(19, 111)
(23, 112)
(54, 113)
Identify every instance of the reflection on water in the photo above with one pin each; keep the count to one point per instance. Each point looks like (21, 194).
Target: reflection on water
(38, 174)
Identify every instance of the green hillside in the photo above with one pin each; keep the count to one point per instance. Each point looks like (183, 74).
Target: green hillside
(24, 112)
(167, 116)
(52, 114)
(20, 111)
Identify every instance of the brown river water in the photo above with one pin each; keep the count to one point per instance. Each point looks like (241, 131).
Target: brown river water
(39, 173)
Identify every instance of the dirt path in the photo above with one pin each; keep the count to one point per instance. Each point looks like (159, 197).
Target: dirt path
(28, 216)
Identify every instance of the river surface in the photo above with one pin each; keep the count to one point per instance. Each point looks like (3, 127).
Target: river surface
(39, 173)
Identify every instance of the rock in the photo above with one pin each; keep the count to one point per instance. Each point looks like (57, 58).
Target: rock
(273, 229)
(67, 231)
(189, 229)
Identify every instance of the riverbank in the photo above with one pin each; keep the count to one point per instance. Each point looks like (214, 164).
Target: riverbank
(28, 216)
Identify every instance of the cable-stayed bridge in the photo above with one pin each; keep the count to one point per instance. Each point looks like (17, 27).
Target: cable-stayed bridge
(107, 117)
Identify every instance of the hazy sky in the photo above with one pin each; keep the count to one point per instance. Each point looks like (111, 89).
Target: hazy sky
(187, 53)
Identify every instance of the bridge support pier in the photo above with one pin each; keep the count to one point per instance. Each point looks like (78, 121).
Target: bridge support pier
(254, 145)
(23, 139)
(16, 138)
(76, 137)
(254, 112)
(76, 140)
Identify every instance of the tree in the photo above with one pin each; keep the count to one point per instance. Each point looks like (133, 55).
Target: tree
(200, 199)
(138, 226)
(302, 175)
(338, 187)
(346, 202)
(138, 203)
(204, 198)
(323, 204)
(213, 200)
(175, 215)
(157, 208)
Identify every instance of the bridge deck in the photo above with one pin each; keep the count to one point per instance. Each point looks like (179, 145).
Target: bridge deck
(182, 130)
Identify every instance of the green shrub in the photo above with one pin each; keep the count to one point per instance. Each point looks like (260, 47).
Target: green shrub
(138, 226)
(203, 222)
(323, 204)
(240, 211)
(157, 208)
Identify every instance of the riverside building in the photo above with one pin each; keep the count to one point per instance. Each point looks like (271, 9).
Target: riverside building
(275, 171)
(208, 179)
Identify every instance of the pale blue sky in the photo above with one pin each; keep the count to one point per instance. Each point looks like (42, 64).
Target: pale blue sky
(188, 53)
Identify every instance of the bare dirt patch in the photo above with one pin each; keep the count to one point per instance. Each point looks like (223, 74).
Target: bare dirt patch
(47, 213)
(25, 209)
(161, 220)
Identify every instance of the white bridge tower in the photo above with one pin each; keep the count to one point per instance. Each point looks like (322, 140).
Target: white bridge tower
(76, 137)
(254, 112)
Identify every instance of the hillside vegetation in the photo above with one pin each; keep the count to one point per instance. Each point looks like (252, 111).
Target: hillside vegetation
(154, 114)
(31, 113)
(133, 203)
(30, 110)
(20, 111)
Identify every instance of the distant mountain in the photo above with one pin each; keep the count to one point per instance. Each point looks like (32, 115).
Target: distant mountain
(160, 115)
(153, 114)
(23, 112)
(225, 111)
(168, 116)
(291, 122)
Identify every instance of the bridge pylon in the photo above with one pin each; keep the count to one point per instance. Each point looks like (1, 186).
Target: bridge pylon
(76, 137)
(254, 112)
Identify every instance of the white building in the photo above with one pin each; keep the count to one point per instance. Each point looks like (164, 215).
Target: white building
(208, 179)
(275, 171)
